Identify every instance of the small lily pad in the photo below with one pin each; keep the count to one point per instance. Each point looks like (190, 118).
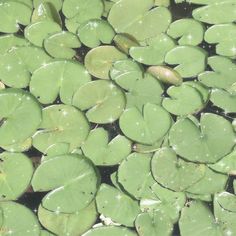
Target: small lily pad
(146, 127)
(59, 77)
(139, 21)
(15, 175)
(187, 31)
(99, 60)
(60, 45)
(207, 143)
(155, 50)
(173, 172)
(61, 124)
(116, 205)
(102, 152)
(103, 101)
(72, 191)
(191, 60)
(94, 32)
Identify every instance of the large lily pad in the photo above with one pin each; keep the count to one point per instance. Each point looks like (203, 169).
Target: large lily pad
(72, 191)
(206, 143)
(20, 115)
(103, 101)
(102, 152)
(61, 124)
(140, 19)
(59, 77)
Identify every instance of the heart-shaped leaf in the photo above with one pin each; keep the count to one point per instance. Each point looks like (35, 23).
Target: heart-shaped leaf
(72, 191)
(173, 172)
(191, 60)
(207, 143)
(116, 205)
(13, 166)
(94, 32)
(102, 152)
(61, 124)
(187, 31)
(139, 20)
(146, 127)
(59, 77)
(99, 60)
(103, 101)
(155, 50)
(20, 116)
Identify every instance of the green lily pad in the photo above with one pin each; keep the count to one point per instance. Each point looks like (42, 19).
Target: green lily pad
(17, 220)
(12, 14)
(187, 31)
(16, 171)
(102, 152)
(183, 100)
(165, 74)
(45, 233)
(201, 197)
(212, 13)
(59, 77)
(20, 115)
(56, 3)
(226, 165)
(116, 205)
(162, 3)
(207, 143)
(226, 201)
(17, 65)
(8, 41)
(139, 20)
(146, 127)
(99, 60)
(224, 99)
(38, 31)
(137, 182)
(197, 219)
(110, 230)
(19, 147)
(107, 7)
(72, 191)
(165, 201)
(68, 224)
(191, 60)
(224, 36)
(60, 45)
(155, 224)
(61, 124)
(155, 50)
(173, 172)
(94, 32)
(103, 101)
(124, 42)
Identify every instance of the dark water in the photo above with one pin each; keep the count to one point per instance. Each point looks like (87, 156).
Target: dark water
(179, 11)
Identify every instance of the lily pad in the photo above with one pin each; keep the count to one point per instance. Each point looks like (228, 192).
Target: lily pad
(68, 224)
(207, 142)
(60, 45)
(116, 205)
(94, 32)
(191, 60)
(146, 127)
(16, 171)
(102, 152)
(173, 172)
(61, 124)
(61, 78)
(99, 60)
(19, 147)
(17, 220)
(155, 50)
(12, 14)
(139, 20)
(56, 3)
(70, 192)
(187, 31)
(20, 116)
(103, 101)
